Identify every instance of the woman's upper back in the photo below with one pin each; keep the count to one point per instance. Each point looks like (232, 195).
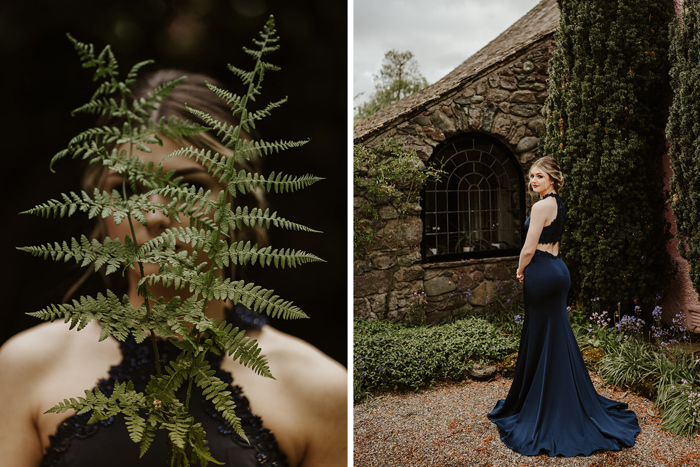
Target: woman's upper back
(552, 232)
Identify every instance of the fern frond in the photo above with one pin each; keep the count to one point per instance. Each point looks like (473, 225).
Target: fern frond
(245, 76)
(105, 63)
(242, 253)
(101, 135)
(102, 107)
(133, 73)
(86, 149)
(260, 114)
(217, 391)
(107, 88)
(101, 204)
(196, 238)
(214, 163)
(234, 342)
(250, 149)
(249, 218)
(123, 399)
(245, 182)
(116, 316)
(149, 434)
(175, 127)
(190, 198)
(231, 99)
(144, 105)
(250, 295)
(225, 131)
(135, 425)
(108, 252)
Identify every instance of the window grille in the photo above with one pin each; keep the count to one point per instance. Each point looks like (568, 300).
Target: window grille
(476, 209)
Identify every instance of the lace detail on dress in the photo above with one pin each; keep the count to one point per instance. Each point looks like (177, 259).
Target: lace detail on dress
(552, 232)
(138, 365)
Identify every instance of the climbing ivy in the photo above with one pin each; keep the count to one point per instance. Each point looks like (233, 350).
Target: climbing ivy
(608, 96)
(683, 133)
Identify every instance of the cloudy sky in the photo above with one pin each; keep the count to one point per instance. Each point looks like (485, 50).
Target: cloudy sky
(440, 33)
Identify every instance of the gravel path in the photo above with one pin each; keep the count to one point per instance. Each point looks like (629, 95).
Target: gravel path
(447, 426)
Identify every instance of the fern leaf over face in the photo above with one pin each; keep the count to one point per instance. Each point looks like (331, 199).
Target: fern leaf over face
(172, 222)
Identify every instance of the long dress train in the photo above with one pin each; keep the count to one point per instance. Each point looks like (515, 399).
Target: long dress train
(552, 405)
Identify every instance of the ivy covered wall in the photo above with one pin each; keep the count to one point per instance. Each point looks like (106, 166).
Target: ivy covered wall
(606, 110)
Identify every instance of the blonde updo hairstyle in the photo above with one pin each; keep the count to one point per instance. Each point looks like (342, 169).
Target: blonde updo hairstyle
(549, 166)
(193, 92)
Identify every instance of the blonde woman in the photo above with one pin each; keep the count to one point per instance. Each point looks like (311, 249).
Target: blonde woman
(297, 419)
(552, 406)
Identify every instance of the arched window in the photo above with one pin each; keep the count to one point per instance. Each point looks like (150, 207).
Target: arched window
(476, 209)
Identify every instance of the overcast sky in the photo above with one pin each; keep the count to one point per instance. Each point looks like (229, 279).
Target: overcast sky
(440, 33)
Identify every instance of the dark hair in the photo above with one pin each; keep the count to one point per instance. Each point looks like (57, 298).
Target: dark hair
(193, 92)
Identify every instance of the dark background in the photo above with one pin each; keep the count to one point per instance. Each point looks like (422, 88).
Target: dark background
(42, 81)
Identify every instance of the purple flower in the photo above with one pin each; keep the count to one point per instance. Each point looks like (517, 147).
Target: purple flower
(518, 319)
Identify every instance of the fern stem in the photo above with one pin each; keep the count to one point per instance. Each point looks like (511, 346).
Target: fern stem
(154, 341)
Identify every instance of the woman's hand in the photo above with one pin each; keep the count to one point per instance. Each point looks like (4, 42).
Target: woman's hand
(520, 275)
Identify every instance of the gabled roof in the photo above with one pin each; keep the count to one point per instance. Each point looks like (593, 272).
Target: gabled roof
(540, 22)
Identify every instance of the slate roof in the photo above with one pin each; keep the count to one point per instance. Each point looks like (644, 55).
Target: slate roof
(540, 22)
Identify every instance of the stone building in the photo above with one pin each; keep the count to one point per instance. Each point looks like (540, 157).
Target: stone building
(459, 249)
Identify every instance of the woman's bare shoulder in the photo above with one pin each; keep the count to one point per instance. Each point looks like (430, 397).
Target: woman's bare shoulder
(545, 207)
(40, 346)
(294, 358)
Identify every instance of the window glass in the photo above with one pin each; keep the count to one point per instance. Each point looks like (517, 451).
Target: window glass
(476, 208)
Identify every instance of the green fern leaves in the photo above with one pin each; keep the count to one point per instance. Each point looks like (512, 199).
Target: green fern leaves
(191, 258)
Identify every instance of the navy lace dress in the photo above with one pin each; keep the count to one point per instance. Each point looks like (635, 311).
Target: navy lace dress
(107, 443)
(552, 406)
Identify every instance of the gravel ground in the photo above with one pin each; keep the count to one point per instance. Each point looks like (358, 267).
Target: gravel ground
(447, 426)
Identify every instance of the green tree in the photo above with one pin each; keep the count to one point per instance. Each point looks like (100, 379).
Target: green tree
(605, 113)
(399, 77)
(683, 133)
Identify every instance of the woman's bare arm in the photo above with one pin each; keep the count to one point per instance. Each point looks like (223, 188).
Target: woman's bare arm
(20, 370)
(538, 218)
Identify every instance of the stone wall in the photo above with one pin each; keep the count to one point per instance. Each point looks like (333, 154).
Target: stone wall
(392, 282)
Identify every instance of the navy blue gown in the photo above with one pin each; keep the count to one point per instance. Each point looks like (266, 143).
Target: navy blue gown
(552, 406)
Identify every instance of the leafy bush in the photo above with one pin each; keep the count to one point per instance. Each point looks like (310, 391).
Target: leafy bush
(632, 361)
(388, 174)
(681, 409)
(391, 356)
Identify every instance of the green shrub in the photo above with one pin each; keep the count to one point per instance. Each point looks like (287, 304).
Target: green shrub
(630, 362)
(681, 409)
(391, 356)
(668, 376)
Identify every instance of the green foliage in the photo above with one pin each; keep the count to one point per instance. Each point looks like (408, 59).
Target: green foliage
(681, 408)
(683, 133)
(211, 225)
(390, 356)
(386, 175)
(658, 369)
(605, 113)
(399, 77)
(671, 378)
